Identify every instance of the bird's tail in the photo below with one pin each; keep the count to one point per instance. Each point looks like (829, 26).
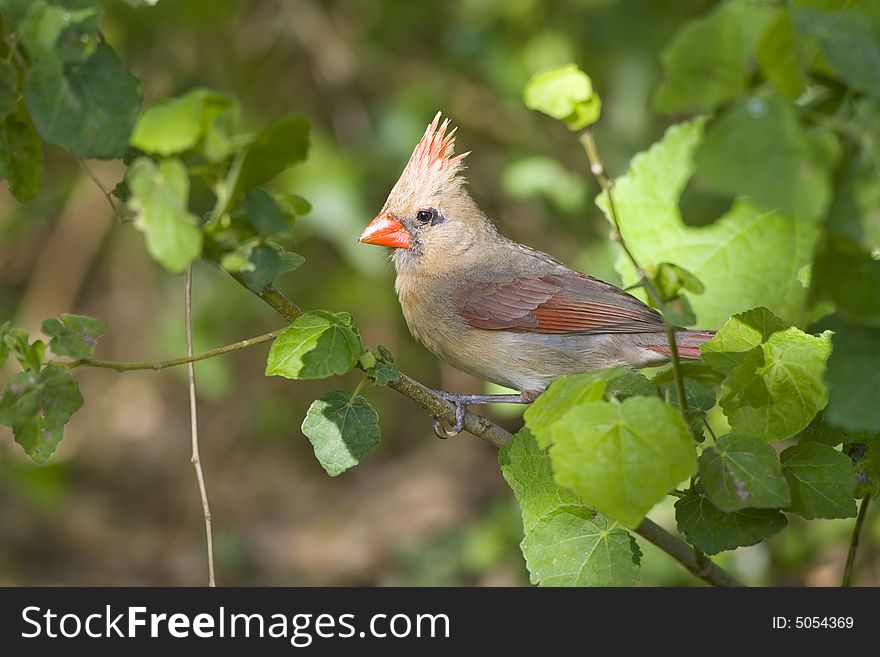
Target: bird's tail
(688, 343)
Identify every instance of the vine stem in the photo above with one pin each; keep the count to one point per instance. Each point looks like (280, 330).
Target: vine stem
(699, 565)
(854, 542)
(194, 425)
(597, 168)
(172, 362)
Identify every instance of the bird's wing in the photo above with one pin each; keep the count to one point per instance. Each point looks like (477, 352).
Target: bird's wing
(562, 302)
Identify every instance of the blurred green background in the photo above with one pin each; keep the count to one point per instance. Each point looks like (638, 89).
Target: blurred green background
(118, 503)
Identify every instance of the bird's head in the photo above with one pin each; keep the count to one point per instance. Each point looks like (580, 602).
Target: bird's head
(429, 215)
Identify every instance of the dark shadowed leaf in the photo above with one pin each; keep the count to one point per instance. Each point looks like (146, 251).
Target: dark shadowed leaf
(713, 531)
(21, 156)
(853, 377)
(88, 108)
(37, 405)
(821, 479)
(741, 472)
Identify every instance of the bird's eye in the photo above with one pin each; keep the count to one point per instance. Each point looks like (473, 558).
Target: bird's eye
(429, 216)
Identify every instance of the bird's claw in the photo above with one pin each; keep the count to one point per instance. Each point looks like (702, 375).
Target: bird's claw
(443, 433)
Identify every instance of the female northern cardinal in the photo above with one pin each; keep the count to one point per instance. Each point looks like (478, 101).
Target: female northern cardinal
(497, 309)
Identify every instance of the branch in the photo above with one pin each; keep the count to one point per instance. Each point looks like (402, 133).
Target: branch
(487, 430)
(597, 168)
(854, 542)
(194, 426)
(164, 364)
(697, 563)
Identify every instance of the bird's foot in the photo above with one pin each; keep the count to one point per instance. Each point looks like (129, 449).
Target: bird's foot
(461, 403)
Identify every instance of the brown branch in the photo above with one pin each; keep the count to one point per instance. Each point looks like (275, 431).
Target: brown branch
(481, 427)
(854, 542)
(121, 366)
(194, 427)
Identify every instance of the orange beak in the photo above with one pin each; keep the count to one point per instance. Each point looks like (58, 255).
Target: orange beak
(384, 230)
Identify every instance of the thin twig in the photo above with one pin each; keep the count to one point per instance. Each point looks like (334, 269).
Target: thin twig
(854, 542)
(119, 214)
(164, 364)
(197, 464)
(597, 168)
(487, 430)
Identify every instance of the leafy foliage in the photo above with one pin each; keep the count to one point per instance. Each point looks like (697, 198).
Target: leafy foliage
(622, 458)
(74, 335)
(317, 345)
(37, 405)
(821, 480)
(342, 429)
(159, 198)
(741, 472)
(566, 94)
(566, 543)
(735, 257)
(773, 387)
(790, 100)
(713, 531)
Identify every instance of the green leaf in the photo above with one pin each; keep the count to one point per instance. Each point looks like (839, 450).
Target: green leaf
(631, 384)
(821, 479)
(699, 398)
(342, 430)
(528, 470)
(781, 57)
(739, 335)
(37, 405)
(89, 108)
(264, 215)
(159, 198)
(736, 257)
(670, 280)
(778, 388)
(575, 546)
(713, 531)
(566, 543)
(30, 355)
(66, 32)
(265, 263)
(743, 472)
(865, 459)
(706, 63)
(386, 373)
(21, 156)
(318, 344)
(853, 377)
(74, 335)
(175, 125)
(565, 93)
(278, 146)
(8, 88)
(758, 149)
(850, 41)
(622, 458)
(847, 275)
(562, 394)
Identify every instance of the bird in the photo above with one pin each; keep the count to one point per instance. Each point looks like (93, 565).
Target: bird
(499, 310)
